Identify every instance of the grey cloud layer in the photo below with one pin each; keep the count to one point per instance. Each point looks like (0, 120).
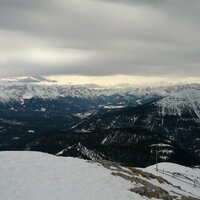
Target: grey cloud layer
(150, 38)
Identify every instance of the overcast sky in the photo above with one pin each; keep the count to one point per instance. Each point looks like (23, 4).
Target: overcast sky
(144, 38)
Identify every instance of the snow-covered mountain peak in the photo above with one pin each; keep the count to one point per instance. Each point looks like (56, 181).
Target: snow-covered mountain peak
(178, 103)
(20, 91)
(176, 97)
(26, 80)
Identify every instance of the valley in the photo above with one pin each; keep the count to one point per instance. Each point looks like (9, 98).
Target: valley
(125, 125)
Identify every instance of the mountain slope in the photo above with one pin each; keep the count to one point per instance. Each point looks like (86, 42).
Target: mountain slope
(180, 103)
(38, 176)
(131, 135)
(124, 125)
(174, 117)
(30, 107)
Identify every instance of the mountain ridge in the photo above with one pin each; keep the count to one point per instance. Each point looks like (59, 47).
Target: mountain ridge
(126, 123)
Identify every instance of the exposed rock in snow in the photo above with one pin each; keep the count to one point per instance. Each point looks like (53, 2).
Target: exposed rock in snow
(81, 151)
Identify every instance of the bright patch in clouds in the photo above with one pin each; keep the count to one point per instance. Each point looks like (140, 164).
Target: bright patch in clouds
(112, 41)
(121, 80)
(46, 56)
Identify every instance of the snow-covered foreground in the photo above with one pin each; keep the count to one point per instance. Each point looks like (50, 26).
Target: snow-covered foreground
(39, 176)
(187, 178)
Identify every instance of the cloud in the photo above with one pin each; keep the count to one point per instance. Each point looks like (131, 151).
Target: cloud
(100, 37)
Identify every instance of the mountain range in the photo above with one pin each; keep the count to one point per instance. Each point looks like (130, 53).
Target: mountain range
(126, 125)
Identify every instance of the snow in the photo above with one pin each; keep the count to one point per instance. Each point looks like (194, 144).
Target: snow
(179, 175)
(10, 122)
(90, 154)
(104, 140)
(175, 100)
(39, 176)
(18, 91)
(83, 115)
(139, 102)
(60, 153)
(161, 145)
(43, 109)
(113, 107)
(15, 138)
(180, 102)
(31, 131)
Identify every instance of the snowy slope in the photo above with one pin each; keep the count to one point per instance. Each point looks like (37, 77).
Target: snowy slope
(187, 178)
(39, 176)
(184, 101)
